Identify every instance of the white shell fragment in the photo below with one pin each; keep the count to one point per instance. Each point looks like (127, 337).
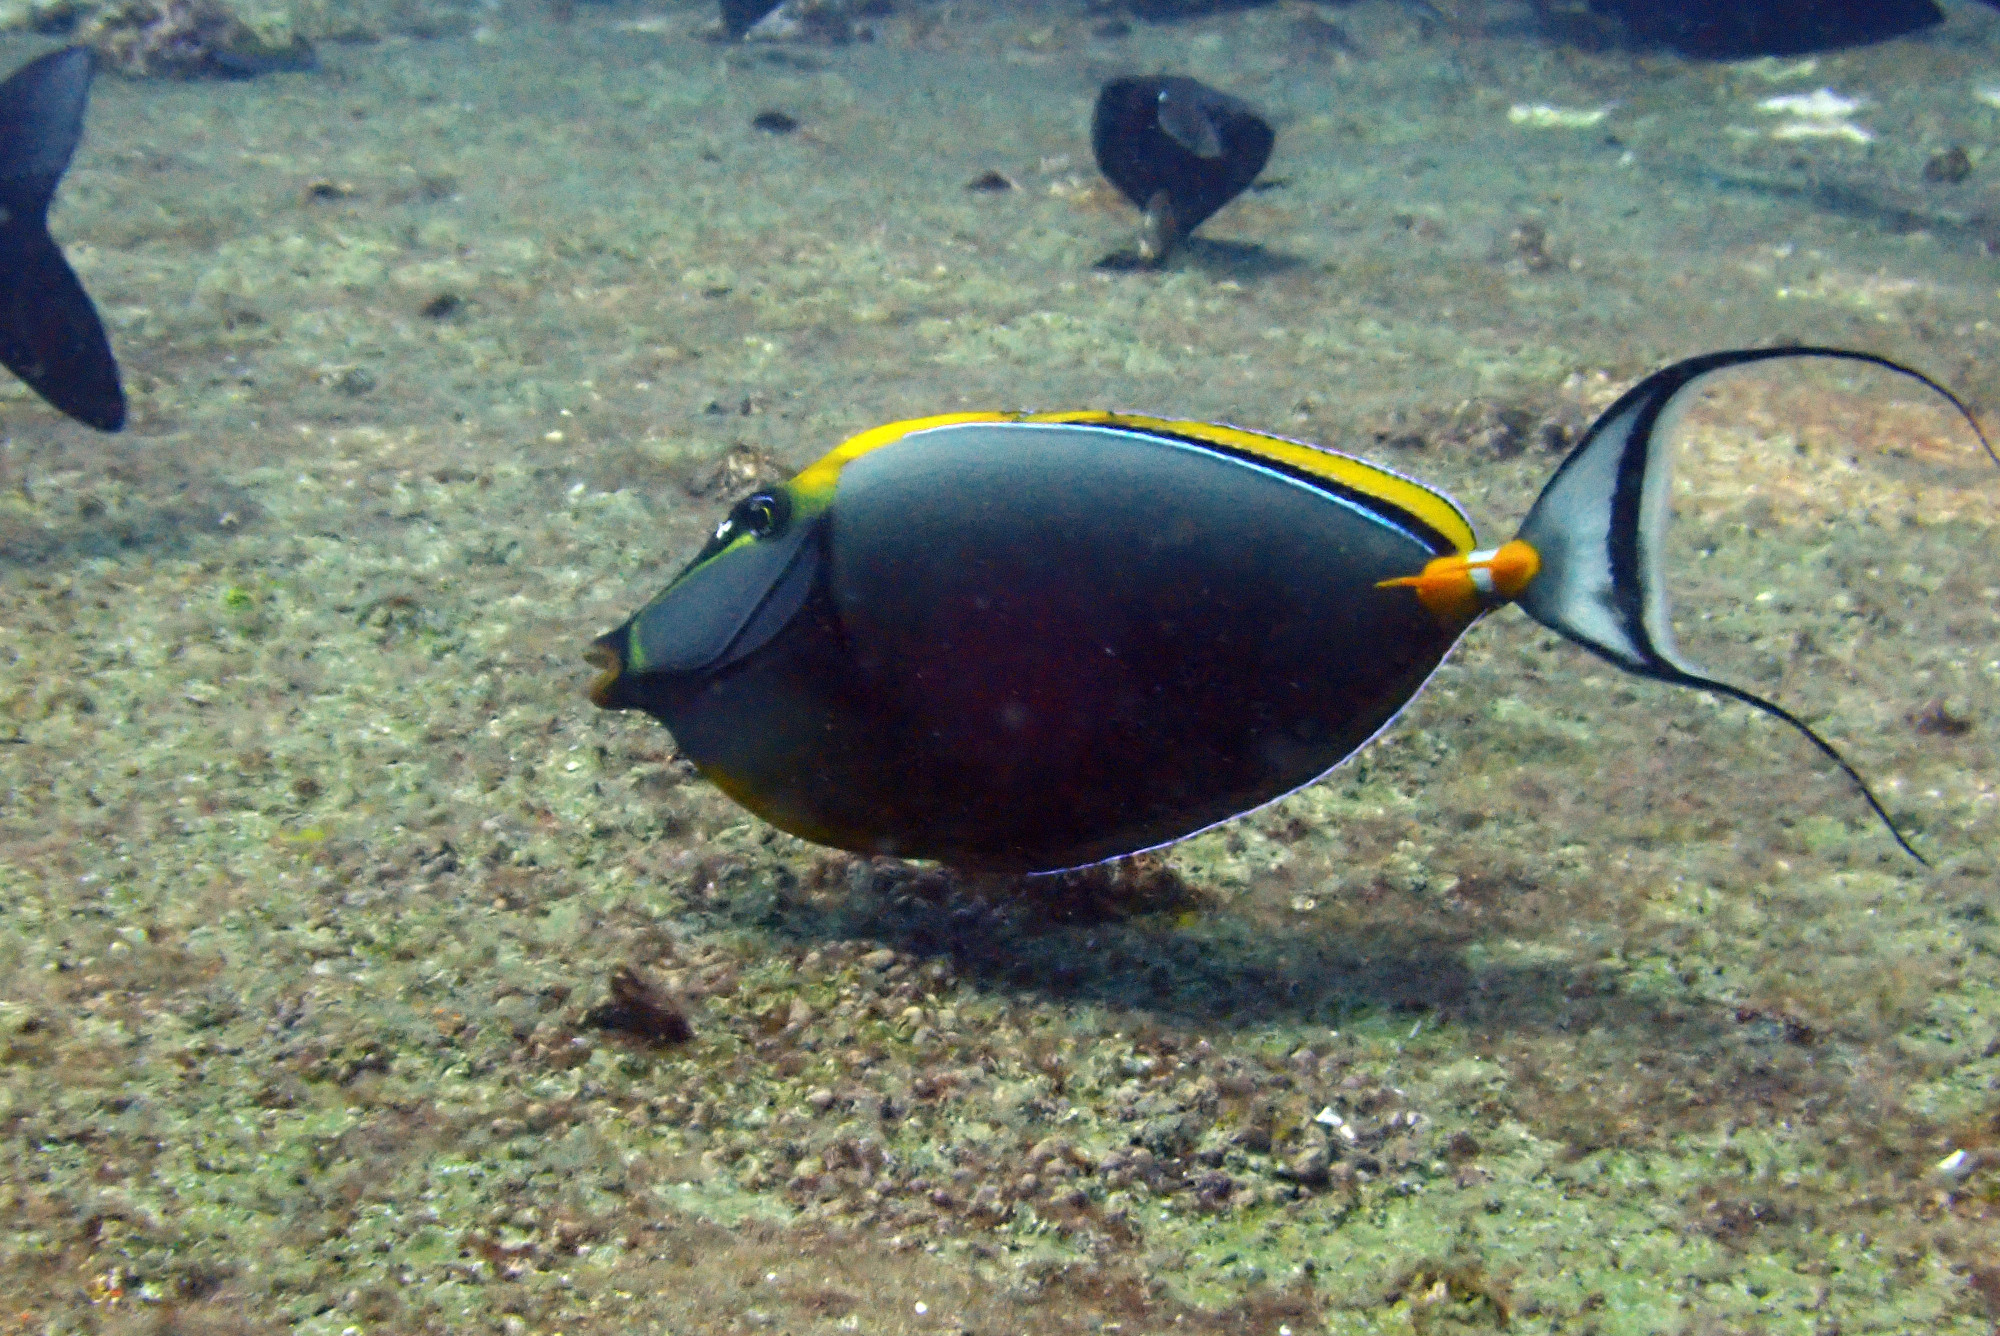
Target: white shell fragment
(1542, 116)
(1821, 105)
(1847, 130)
(1821, 114)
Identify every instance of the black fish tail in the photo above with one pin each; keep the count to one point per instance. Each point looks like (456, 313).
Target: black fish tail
(50, 335)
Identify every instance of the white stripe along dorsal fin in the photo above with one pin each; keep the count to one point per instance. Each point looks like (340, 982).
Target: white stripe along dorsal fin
(1597, 528)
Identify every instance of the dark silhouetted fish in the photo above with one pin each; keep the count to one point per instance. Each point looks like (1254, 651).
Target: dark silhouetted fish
(1740, 29)
(1177, 149)
(740, 16)
(50, 335)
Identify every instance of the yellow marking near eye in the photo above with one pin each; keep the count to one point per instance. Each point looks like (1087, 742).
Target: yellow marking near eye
(813, 488)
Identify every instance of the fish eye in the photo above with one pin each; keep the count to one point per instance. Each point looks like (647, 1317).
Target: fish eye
(760, 514)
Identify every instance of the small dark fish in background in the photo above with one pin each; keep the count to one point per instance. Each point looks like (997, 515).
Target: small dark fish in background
(740, 16)
(50, 335)
(1177, 149)
(1738, 29)
(1025, 642)
(824, 22)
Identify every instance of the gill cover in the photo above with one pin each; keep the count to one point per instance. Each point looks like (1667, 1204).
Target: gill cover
(1599, 523)
(739, 591)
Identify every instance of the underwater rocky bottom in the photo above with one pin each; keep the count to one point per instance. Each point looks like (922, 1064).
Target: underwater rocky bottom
(1575, 1002)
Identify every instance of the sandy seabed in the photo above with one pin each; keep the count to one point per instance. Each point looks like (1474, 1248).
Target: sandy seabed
(1576, 1004)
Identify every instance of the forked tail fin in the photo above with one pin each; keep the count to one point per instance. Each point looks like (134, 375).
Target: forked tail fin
(1598, 525)
(50, 335)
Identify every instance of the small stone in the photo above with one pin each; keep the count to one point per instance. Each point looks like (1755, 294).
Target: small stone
(1956, 1167)
(1167, 1136)
(355, 381)
(1213, 1188)
(1047, 1149)
(1948, 167)
(1309, 1165)
(1942, 719)
(821, 1099)
(1253, 1136)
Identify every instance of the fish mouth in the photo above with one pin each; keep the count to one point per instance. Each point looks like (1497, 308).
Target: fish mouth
(607, 654)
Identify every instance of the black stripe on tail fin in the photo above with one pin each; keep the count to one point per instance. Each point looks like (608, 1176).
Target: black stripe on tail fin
(1598, 524)
(50, 335)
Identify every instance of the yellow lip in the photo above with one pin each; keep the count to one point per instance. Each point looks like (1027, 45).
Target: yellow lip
(603, 656)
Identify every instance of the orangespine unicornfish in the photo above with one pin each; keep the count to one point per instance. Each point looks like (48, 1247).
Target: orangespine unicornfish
(1027, 642)
(50, 335)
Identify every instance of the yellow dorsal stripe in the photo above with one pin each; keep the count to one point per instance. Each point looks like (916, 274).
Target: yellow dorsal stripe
(1433, 508)
(816, 483)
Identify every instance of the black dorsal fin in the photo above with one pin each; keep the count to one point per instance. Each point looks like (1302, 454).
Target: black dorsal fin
(1597, 528)
(50, 335)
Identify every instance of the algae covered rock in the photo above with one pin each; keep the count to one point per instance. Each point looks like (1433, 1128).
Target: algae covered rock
(230, 39)
(41, 15)
(194, 39)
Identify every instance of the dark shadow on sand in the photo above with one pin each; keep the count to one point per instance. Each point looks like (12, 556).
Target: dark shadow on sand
(1245, 261)
(1236, 259)
(1885, 206)
(156, 529)
(1151, 944)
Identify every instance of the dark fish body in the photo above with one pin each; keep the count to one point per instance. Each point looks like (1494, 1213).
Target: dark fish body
(50, 335)
(1045, 719)
(1026, 642)
(1742, 29)
(1177, 137)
